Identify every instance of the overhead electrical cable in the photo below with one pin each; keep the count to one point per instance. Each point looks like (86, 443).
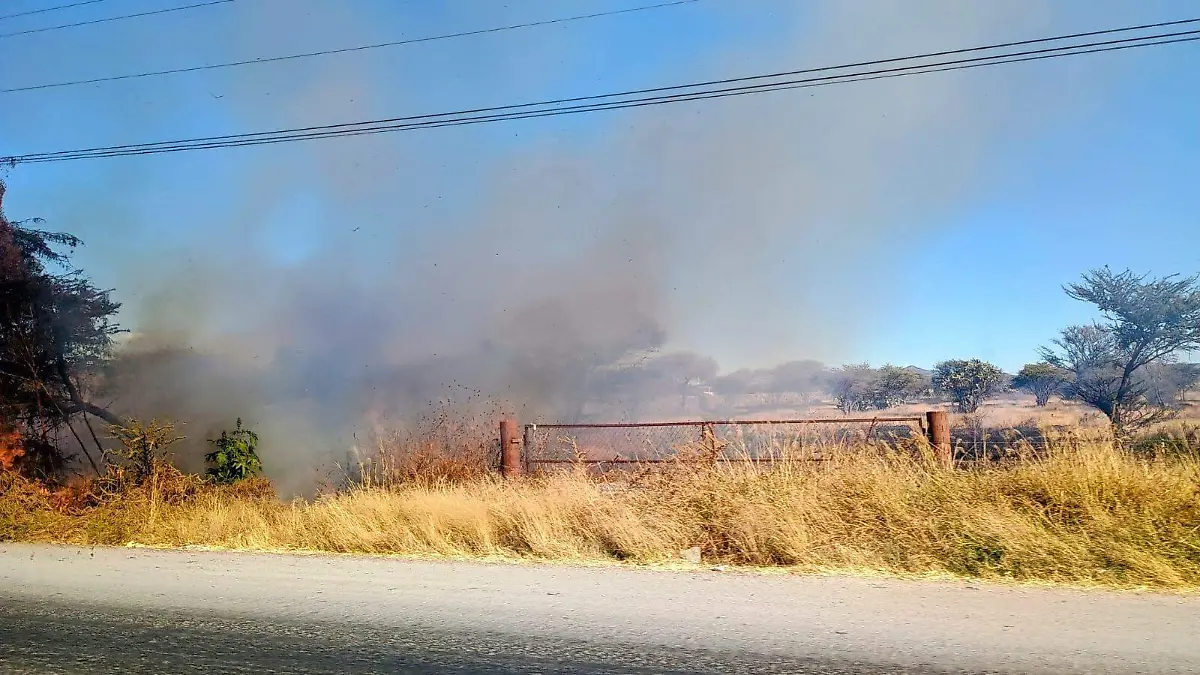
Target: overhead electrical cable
(622, 100)
(700, 84)
(594, 107)
(513, 111)
(122, 17)
(49, 9)
(342, 50)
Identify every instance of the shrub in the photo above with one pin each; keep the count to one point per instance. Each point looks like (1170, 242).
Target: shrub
(1183, 439)
(235, 458)
(144, 444)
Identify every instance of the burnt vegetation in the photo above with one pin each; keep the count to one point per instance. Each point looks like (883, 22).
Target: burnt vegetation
(60, 371)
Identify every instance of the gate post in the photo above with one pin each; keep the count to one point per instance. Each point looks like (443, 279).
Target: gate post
(939, 435)
(510, 449)
(708, 440)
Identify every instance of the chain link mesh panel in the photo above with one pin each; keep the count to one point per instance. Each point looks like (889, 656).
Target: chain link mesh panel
(753, 440)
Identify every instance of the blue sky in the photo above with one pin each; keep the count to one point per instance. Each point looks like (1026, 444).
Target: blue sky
(1115, 188)
(906, 221)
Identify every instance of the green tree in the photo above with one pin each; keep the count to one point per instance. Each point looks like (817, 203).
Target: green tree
(1146, 321)
(1042, 380)
(56, 332)
(235, 457)
(893, 386)
(852, 387)
(967, 382)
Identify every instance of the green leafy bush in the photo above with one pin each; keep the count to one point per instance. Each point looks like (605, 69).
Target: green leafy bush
(234, 458)
(968, 383)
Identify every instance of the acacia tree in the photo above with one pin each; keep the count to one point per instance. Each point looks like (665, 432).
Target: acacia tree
(1167, 384)
(1186, 378)
(1042, 380)
(55, 329)
(968, 383)
(1146, 321)
(894, 386)
(852, 386)
(660, 375)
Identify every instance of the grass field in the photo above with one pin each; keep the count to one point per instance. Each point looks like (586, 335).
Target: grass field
(1081, 513)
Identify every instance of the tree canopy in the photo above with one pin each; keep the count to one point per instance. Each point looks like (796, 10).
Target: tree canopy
(1043, 380)
(1145, 321)
(967, 382)
(57, 329)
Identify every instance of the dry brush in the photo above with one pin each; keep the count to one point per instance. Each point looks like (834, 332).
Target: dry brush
(1080, 512)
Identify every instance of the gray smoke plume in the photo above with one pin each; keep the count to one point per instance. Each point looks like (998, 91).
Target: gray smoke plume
(323, 287)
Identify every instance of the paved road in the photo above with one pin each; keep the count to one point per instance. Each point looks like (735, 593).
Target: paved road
(66, 610)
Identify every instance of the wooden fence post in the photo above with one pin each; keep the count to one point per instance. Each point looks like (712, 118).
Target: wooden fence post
(708, 438)
(939, 435)
(510, 449)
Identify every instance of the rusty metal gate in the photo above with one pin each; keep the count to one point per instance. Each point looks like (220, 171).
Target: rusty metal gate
(610, 445)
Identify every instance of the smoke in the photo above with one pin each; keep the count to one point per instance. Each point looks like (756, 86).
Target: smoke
(323, 287)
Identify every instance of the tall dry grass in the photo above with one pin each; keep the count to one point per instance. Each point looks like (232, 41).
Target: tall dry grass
(1081, 512)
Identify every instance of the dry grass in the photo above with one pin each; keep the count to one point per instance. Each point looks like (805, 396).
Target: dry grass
(1084, 513)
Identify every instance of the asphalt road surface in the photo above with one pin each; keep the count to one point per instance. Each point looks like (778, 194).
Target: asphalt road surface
(67, 610)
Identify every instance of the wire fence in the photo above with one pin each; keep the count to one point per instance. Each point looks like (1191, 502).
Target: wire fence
(615, 444)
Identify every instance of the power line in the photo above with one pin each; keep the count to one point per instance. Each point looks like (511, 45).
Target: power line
(205, 144)
(343, 50)
(115, 78)
(47, 29)
(597, 103)
(460, 118)
(50, 9)
(709, 83)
